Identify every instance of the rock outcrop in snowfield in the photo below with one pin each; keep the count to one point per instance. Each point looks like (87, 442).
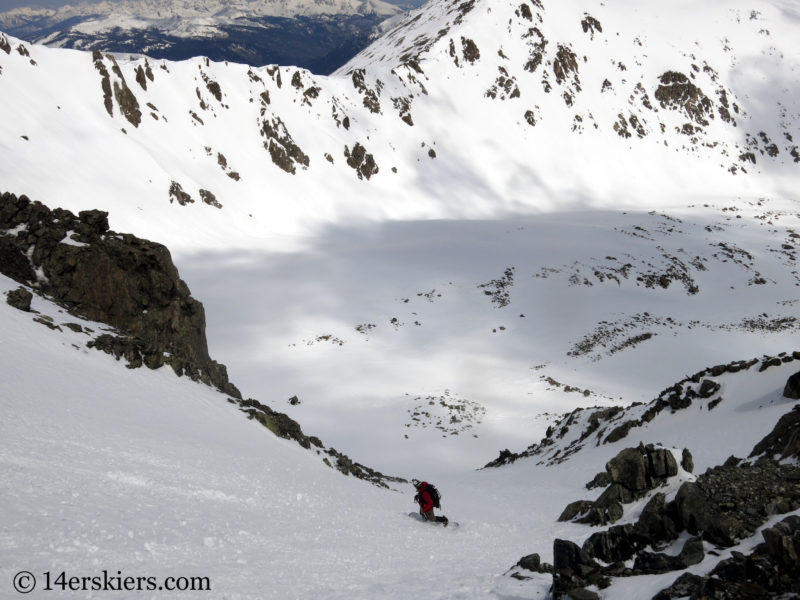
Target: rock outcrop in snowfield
(126, 282)
(728, 505)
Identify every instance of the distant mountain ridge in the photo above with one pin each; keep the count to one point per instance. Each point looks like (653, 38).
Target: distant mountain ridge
(316, 34)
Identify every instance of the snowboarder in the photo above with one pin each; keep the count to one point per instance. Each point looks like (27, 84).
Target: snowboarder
(428, 497)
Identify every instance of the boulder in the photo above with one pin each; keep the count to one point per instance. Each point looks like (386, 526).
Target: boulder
(608, 506)
(617, 543)
(629, 469)
(641, 469)
(662, 465)
(694, 510)
(792, 388)
(655, 524)
(708, 387)
(652, 563)
(602, 479)
(692, 552)
(575, 509)
(682, 587)
(533, 562)
(20, 298)
(574, 569)
(783, 543)
(687, 461)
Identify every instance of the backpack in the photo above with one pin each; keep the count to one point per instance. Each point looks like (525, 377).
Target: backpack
(435, 495)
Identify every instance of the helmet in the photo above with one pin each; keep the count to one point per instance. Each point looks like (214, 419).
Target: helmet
(416, 483)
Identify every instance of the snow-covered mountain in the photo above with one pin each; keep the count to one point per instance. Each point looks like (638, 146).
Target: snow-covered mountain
(498, 213)
(317, 34)
(688, 112)
(158, 11)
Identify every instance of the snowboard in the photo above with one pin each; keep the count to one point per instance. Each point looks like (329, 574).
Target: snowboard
(418, 517)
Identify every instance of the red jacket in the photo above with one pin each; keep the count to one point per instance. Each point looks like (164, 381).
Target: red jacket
(424, 497)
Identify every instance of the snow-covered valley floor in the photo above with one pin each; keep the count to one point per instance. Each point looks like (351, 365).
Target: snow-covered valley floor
(435, 344)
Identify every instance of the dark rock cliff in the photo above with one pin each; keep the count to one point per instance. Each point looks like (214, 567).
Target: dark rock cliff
(118, 279)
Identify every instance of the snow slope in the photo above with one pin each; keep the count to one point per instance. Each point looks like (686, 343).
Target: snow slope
(151, 475)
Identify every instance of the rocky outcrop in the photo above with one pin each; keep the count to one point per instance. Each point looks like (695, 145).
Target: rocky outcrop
(176, 194)
(283, 150)
(126, 99)
(723, 506)
(361, 161)
(632, 473)
(677, 92)
(610, 425)
(118, 279)
(533, 562)
(792, 388)
(726, 504)
(772, 570)
(285, 427)
(784, 440)
(591, 25)
(574, 570)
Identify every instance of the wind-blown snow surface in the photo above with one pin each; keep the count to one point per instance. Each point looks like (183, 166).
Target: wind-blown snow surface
(453, 298)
